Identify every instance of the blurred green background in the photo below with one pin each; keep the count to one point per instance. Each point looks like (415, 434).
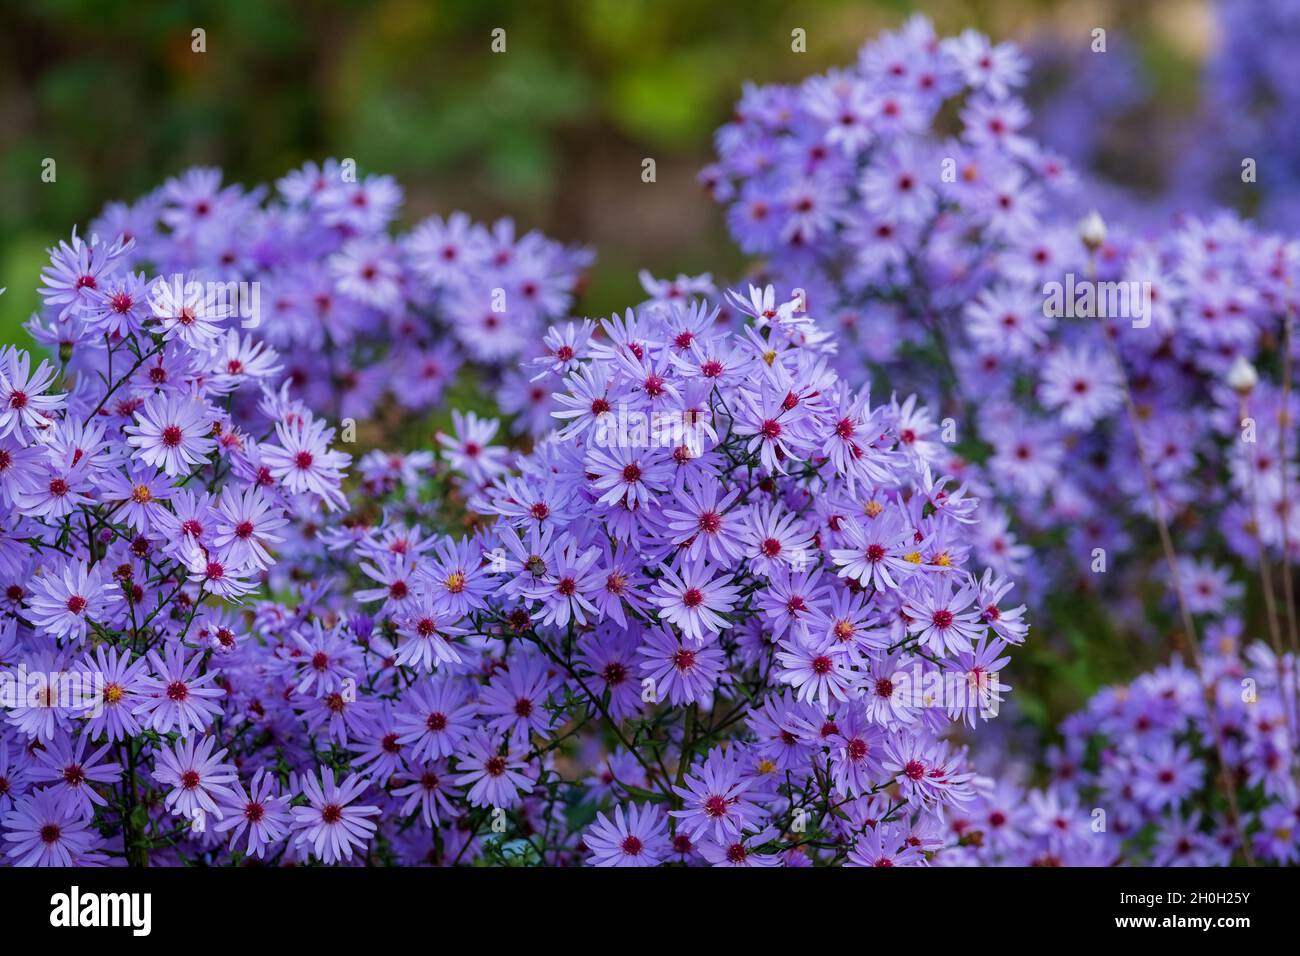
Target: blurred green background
(552, 132)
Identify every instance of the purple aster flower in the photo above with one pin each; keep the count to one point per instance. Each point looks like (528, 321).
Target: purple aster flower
(681, 674)
(566, 591)
(322, 660)
(367, 270)
(67, 597)
(247, 522)
(741, 851)
(260, 811)
(855, 757)
(74, 774)
(120, 680)
(429, 790)
(328, 826)
(175, 695)
(173, 433)
(25, 410)
(637, 838)
(884, 844)
(714, 800)
(1083, 385)
(77, 270)
(925, 771)
(44, 830)
(776, 431)
(304, 462)
(55, 487)
(942, 620)
(1165, 775)
(120, 307)
(435, 718)
(515, 702)
(468, 451)
(189, 310)
(458, 577)
(695, 597)
(496, 774)
(609, 655)
(196, 776)
(15, 777)
(139, 495)
(878, 550)
(775, 539)
(427, 630)
(628, 476)
(818, 671)
(623, 585)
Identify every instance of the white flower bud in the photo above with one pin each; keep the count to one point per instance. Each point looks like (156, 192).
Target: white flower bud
(1242, 377)
(1092, 230)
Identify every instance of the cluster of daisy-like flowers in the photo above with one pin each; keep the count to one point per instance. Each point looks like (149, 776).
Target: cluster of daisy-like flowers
(725, 606)
(1104, 384)
(709, 604)
(370, 326)
(1137, 778)
(1186, 480)
(723, 611)
(901, 195)
(135, 508)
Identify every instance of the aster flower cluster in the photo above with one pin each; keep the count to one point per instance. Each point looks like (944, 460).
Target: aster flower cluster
(694, 597)
(740, 574)
(1046, 331)
(1236, 147)
(1182, 422)
(1135, 779)
(1106, 382)
(313, 267)
(135, 508)
(857, 187)
(921, 243)
(724, 611)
